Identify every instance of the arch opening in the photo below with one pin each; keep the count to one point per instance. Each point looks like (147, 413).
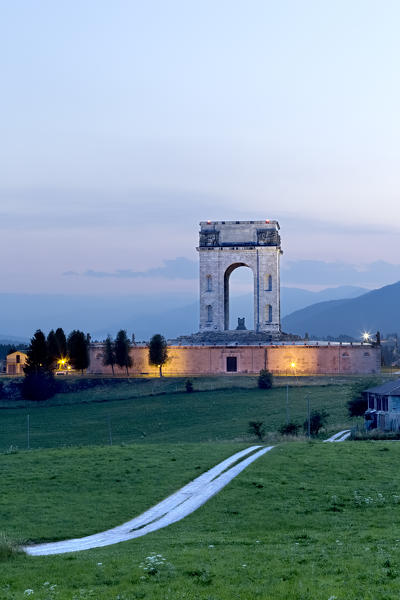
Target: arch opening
(239, 290)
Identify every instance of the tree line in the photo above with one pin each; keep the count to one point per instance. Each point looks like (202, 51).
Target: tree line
(117, 352)
(46, 355)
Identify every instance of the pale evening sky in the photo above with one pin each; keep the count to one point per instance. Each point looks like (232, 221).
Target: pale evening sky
(125, 123)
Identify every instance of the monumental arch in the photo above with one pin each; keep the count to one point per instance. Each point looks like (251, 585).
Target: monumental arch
(223, 247)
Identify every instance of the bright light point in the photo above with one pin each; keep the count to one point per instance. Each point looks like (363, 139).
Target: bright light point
(209, 222)
(366, 336)
(293, 365)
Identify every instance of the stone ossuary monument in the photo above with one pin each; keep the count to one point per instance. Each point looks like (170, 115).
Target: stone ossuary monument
(223, 247)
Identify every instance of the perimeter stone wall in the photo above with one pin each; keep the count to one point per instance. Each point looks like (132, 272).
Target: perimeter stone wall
(212, 360)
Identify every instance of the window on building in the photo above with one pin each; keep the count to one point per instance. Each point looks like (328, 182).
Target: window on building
(209, 283)
(371, 401)
(231, 364)
(268, 283)
(268, 313)
(384, 404)
(18, 359)
(378, 403)
(209, 313)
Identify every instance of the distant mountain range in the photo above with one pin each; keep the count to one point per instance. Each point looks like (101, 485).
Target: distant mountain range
(377, 310)
(22, 314)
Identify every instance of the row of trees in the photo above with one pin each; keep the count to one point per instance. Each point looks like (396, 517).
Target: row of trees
(117, 352)
(55, 351)
(45, 355)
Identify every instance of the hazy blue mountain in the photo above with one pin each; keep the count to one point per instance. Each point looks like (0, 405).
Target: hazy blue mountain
(22, 314)
(295, 298)
(171, 315)
(373, 311)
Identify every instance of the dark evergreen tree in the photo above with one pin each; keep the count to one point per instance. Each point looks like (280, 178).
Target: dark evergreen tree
(158, 351)
(52, 349)
(61, 343)
(39, 382)
(122, 346)
(109, 354)
(38, 357)
(78, 350)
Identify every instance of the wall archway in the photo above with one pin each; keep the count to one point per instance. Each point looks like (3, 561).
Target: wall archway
(227, 274)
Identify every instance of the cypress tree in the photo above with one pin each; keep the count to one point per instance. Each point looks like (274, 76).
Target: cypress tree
(38, 382)
(52, 349)
(61, 343)
(122, 348)
(78, 350)
(109, 354)
(158, 351)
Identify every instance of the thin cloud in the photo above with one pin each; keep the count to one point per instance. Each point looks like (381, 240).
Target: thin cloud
(310, 272)
(177, 268)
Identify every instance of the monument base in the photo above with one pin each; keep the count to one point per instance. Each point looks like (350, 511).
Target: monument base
(239, 337)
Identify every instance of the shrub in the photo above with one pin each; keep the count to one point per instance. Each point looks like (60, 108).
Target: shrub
(257, 428)
(8, 547)
(265, 380)
(289, 429)
(356, 407)
(188, 386)
(318, 419)
(38, 386)
(357, 404)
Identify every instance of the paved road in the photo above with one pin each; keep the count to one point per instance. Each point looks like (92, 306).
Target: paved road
(172, 509)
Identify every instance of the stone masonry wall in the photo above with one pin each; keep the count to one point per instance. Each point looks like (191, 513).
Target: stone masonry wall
(212, 360)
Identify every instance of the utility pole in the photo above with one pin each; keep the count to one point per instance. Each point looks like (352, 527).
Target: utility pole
(109, 429)
(287, 404)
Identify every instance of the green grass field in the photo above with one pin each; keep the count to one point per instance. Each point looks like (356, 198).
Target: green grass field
(306, 521)
(218, 415)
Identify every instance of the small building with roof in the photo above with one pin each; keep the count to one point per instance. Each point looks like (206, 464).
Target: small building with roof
(383, 406)
(15, 363)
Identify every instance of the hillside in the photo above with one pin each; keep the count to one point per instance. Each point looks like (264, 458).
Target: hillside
(373, 311)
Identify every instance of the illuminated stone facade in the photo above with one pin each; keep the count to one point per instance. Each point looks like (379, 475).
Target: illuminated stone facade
(332, 359)
(223, 247)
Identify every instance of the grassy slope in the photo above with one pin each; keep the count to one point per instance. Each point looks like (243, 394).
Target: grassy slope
(197, 417)
(287, 528)
(80, 491)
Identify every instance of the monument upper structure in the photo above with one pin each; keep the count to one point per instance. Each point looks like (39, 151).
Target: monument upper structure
(223, 247)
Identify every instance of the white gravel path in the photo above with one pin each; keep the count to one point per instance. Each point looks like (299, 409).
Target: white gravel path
(172, 509)
(341, 436)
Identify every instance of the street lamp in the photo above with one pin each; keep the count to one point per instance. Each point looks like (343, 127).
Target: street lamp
(366, 336)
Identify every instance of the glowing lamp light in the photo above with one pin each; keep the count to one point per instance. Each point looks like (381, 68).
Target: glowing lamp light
(366, 336)
(293, 365)
(208, 222)
(267, 221)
